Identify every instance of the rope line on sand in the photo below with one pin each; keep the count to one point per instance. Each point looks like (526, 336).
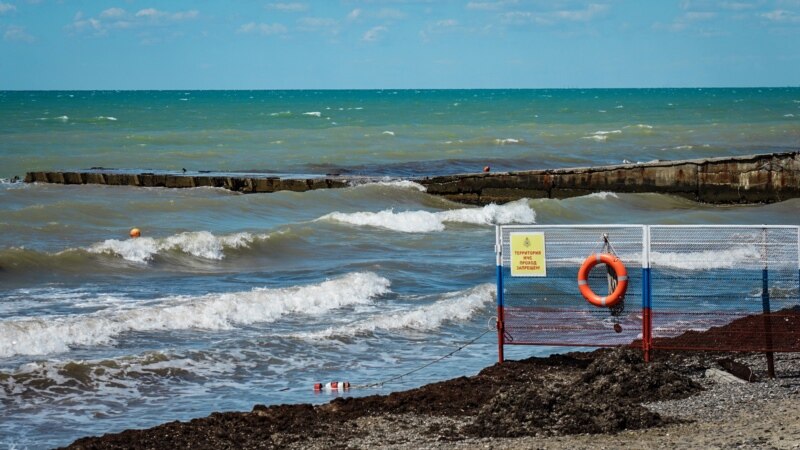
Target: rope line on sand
(397, 377)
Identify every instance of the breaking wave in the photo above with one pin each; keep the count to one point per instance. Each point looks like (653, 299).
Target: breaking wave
(452, 307)
(401, 184)
(210, 312)
(426, 221)
(199, 243)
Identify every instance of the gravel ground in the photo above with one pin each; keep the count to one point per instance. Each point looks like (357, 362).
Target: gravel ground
(580, 400)
(760, 415)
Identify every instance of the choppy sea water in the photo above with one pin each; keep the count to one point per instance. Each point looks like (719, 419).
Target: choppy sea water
(229, 300)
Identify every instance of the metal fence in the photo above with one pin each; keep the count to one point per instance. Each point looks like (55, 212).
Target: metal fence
(733, 288)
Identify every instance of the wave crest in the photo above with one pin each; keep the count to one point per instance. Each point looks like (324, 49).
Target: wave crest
(453, 307)
(425, 221)
(198, 243)
(210, 311)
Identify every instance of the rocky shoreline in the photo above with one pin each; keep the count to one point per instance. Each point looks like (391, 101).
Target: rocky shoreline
(606, 398)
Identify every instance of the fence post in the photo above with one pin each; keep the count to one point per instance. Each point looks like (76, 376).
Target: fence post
(498, 248)
(766, 307)
(646, 293)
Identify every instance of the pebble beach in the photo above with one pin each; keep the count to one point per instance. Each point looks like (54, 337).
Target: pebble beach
(760, 415)
(602, 399)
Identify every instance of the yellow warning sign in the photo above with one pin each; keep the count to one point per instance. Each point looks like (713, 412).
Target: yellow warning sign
(527, 255)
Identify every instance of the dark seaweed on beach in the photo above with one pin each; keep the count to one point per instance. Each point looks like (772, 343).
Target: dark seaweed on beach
(594, 392)
(564, 394)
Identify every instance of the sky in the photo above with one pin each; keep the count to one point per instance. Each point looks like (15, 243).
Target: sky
(375, 44)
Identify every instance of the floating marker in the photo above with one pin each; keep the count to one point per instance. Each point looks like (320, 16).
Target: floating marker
(135, 232)
(486, 168)
(332, 386)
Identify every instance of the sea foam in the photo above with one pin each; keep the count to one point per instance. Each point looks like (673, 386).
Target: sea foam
(426, 221)
(740, 256)
(400, 184)
(210, 312)
(452, 307)
(602, 136)
(199, 243)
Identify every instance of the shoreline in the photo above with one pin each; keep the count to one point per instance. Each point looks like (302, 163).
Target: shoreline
(606, 398)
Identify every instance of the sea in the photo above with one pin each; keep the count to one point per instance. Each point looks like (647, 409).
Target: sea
(230, 300)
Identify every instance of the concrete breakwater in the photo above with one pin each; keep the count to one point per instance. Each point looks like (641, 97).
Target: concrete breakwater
(762, 178)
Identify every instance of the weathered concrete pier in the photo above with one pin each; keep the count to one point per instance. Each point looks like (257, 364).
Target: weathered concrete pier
(762, 178)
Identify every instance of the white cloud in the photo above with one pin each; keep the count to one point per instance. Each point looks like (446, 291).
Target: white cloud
(738, 6)
(118, 19)
(374, 34)
(154, 14)
(265, 29)
(388, 13)
(694, 22)
(439, 27)
(699, 16)
(354, 14)
(581, 15)
(587, 14)
(782, 16)
(6, 7)
(491, 6)
(112, 13)
(319, 25)
(18, 34)
(288, 7)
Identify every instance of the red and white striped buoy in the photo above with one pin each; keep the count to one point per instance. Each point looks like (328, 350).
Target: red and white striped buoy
(332, 386)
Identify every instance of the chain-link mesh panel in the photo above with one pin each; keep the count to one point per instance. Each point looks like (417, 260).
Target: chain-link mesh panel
(736, 284)
(550, 310)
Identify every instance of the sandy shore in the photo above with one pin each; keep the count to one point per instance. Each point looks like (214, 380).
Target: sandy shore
(602, 399)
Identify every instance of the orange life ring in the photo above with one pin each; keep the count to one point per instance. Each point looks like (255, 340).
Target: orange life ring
(622, 279)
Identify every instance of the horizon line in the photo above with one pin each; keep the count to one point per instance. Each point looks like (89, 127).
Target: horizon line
(399, 89)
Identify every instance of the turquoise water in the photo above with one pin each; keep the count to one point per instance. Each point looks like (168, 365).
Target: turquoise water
(230, 300)
(403, 132)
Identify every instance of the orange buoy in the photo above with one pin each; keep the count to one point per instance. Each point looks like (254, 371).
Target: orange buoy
(620, 272)
(135, 233)
(486, 168)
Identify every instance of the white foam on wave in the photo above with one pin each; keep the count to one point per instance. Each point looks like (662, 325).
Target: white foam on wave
(601, 136)
(313, 114)
(426, 221)
(62, 118)
(112, 119)
(388, 133)
(788, 115)
(740, 256)
(736, 257)
(507, 141)
(401, 184)
(452, 307)
(603, 195)
(209, 312)
(202, 244)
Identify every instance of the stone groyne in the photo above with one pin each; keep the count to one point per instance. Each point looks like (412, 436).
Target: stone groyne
(762, 178)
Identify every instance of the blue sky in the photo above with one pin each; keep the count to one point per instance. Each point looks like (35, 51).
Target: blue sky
(365, 44)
